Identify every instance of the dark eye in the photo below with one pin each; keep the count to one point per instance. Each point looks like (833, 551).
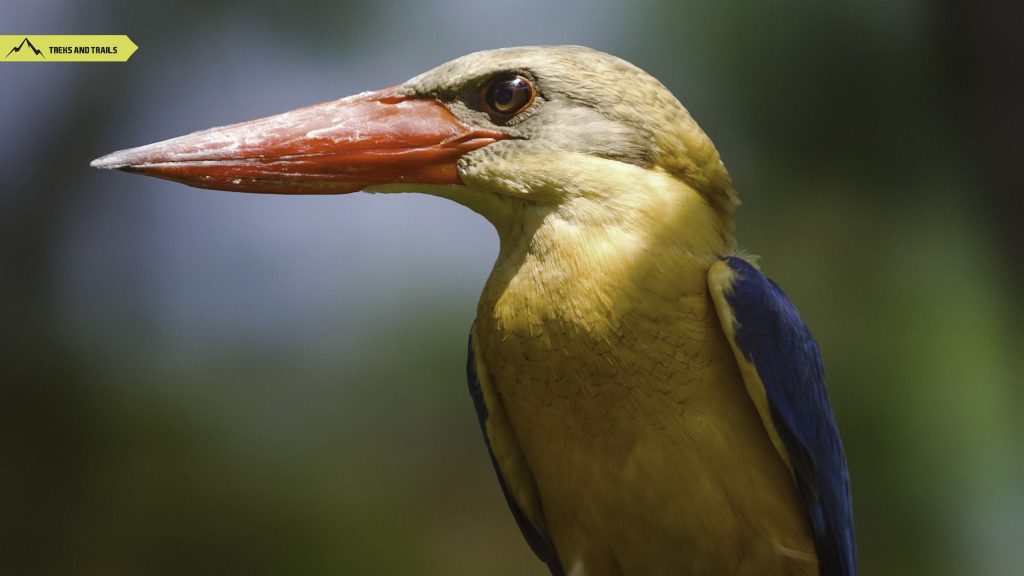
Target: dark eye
(507, 95)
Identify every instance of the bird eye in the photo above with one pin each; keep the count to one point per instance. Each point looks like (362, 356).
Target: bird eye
(507, 95)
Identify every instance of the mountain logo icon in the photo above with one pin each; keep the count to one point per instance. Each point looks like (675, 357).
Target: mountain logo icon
(22, 45)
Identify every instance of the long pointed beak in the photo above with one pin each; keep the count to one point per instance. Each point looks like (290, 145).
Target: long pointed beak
(331, 148)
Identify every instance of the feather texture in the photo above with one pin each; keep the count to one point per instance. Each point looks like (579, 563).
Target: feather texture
(783, 372)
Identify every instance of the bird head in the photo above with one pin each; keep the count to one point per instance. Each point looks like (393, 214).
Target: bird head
(545, 126)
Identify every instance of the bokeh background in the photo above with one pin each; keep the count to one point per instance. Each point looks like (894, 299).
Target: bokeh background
(194, 382)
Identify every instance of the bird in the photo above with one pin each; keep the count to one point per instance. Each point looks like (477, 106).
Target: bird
(651, 402)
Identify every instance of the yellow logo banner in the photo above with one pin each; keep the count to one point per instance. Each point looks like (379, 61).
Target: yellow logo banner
(63, 48)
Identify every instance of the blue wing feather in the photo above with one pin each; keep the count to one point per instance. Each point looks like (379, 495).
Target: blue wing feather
(540, 546)
(773, 337)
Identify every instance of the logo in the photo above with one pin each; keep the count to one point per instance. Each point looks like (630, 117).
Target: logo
(66, 48)
(22, 45)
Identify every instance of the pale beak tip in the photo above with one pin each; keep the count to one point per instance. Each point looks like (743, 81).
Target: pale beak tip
(114, 161)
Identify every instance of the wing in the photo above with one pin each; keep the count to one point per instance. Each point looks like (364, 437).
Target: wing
(513, 473)
(783, 373)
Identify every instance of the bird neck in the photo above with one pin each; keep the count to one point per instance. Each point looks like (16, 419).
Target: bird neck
(582, 264)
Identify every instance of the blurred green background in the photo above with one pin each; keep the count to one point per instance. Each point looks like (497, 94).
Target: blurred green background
(205, 383)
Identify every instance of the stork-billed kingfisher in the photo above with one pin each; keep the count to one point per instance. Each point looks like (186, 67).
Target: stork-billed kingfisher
(651, 402)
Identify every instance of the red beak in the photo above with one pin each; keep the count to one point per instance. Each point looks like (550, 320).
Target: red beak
(331, 148)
